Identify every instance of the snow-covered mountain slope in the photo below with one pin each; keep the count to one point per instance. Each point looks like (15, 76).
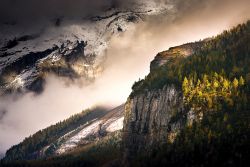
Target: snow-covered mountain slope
(81, 130)
(92, 130)
(69, 47)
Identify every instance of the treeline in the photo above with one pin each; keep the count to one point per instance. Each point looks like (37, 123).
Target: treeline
(29, 148)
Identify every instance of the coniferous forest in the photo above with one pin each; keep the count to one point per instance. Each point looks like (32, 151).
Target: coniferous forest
(215, 82)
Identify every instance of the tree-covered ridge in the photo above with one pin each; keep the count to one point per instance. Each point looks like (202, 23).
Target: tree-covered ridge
(96, 154)
(28, 149)
(212, 93)
(227, 54)
(215, 82)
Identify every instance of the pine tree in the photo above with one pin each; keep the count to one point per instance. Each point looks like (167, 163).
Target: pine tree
(235, 83)
(226, 84)
(242, 81)
(185, 86)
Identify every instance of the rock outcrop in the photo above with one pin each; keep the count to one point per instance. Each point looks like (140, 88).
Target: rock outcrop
(151, 119)
(173, 52)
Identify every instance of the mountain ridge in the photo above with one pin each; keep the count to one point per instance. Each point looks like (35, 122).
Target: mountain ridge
(80, 129)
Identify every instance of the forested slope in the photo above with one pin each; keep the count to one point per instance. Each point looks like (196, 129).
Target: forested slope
(215, 85)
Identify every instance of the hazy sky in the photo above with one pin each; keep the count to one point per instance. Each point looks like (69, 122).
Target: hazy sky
(129, 57)
(35, 10)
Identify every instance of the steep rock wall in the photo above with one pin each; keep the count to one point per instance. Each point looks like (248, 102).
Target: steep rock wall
(151, 119)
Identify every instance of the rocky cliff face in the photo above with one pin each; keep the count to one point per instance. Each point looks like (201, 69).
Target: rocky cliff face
(68, 60)
(152, 118)
(155, 117)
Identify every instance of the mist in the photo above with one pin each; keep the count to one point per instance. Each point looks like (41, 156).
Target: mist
(128, 59)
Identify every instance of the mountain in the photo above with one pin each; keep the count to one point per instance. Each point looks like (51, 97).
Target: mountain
(82, 129)
(192, 109)
(67, 47)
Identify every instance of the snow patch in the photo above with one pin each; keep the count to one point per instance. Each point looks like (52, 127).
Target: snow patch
(116, 125)
(72, 142)
(91, 133)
